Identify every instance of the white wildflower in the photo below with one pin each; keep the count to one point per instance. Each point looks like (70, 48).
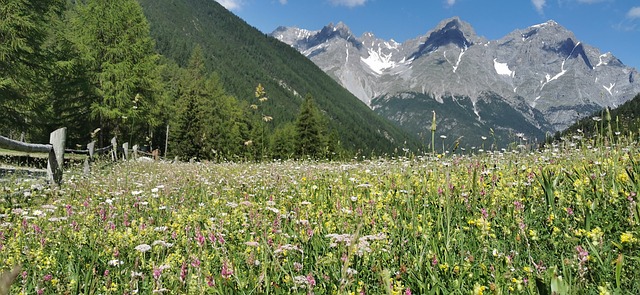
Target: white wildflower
(143, 248)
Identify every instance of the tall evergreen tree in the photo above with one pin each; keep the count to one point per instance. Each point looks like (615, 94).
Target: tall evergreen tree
(68, 91)
(189, 139)
(283, 142)
(310, 140)
(114, 37)
(23, 64)
(223, 122)
(210, 123)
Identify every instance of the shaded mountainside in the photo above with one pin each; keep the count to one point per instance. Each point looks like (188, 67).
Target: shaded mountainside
(489, 121)
(243, 57)
(624, 119)
(542, 74)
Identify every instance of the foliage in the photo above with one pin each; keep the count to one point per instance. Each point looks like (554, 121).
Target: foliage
(23, 63)
(418, 224)
(113, 36)
(310, 134)
(209, 122)
(283, 142)
(607, 123)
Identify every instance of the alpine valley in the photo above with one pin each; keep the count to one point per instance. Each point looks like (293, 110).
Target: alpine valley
(526, 85)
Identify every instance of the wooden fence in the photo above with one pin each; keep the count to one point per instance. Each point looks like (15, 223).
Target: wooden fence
(56, 151)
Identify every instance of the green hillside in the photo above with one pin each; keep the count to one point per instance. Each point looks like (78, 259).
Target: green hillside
(243, 57)
(623, 119)
(457, 121)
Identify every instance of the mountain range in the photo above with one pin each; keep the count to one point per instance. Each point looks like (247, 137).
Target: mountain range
(528, 84)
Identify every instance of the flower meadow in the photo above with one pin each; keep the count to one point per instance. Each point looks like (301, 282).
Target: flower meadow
(563, 220)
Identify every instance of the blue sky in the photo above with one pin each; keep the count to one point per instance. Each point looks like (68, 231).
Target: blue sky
(610, 25)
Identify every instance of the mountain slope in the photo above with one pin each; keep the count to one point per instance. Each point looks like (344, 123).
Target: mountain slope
(244, 57)
(543, 73)
(624, 119)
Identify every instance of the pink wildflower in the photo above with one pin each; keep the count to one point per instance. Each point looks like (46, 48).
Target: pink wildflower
(226, 272)
(156, 273)
(485, 214)
(569, 211)
(183, 272)
(200, 238)
(195, 263)
(311, 281)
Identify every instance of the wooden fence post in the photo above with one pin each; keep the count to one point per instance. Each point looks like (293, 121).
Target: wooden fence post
(166, 142)
(55, 163)
(91, 147)
(114, 153)
(135, 151)
(125, 148)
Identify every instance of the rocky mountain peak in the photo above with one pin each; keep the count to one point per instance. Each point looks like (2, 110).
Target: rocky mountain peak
(292, 35)
(339, 30)
(542, 74)
(449, 31)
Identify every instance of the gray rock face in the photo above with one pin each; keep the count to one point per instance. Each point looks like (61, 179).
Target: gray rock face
(543, 72)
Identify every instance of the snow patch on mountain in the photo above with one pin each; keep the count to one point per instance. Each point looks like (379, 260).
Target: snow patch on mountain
(600, 62)
(459, 58)
(611, 85)
(503, 69)
(378, 61)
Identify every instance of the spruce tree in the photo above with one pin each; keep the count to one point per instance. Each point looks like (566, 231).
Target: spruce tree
(68, 92)
(283, 142)
(210, 124)
(309, 134)
(189, 138)
(114, 38)
(23, 64)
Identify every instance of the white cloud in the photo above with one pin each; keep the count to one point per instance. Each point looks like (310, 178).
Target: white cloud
(230, 4)
(348, 3)
(539, 4)
(283, 2)
(634, 12)
(451, 2)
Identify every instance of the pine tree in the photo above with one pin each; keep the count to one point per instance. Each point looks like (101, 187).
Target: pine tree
(309, 134)
(22, 62)
(114, 37)
(189, 138)
(223, 122)
(209, 122)
(68, 90)
(283, 142)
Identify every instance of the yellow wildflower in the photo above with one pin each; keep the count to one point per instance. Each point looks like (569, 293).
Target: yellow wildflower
(627, 237)
(478, 289)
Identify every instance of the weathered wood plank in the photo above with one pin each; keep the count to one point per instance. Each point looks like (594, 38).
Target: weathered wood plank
(114, 153)
(125, 149)
(11, 144)
(58, 140)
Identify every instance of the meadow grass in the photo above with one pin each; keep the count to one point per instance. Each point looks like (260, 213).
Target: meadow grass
(564, 219)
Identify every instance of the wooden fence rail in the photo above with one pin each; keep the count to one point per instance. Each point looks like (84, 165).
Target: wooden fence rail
(55, 149)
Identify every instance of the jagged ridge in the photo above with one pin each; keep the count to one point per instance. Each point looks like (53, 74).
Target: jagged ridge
(543, 72)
